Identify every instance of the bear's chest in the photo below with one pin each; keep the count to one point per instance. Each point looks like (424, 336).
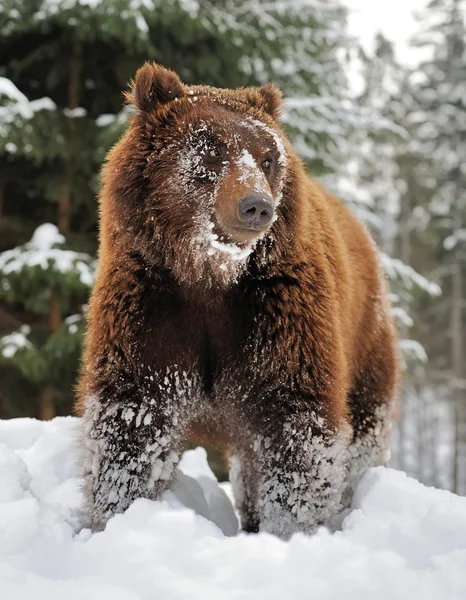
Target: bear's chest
(223, 336)
(209, 341)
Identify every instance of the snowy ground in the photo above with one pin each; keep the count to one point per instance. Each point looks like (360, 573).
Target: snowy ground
(401, 540)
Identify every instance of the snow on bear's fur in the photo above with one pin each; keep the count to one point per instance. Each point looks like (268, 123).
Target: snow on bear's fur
(232, 290)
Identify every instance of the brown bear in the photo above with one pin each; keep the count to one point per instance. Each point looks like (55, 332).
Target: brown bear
(232, 289)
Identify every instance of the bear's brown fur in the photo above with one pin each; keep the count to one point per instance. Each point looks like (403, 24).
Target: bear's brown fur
(279, 335)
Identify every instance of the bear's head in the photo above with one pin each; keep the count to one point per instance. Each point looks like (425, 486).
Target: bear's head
(196, 183)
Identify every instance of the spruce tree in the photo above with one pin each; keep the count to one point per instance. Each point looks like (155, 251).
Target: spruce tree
(63, 67)
(393, 172)
(375, 181)
(46, 279)
(439, 117)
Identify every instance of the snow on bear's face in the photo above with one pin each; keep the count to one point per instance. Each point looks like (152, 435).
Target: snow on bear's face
(227, 181)
(214, 173)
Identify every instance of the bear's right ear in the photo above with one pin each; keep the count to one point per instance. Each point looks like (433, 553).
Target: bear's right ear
(154, 85)
(271, 99)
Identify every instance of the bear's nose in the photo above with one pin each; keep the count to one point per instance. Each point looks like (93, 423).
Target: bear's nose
(256, 210)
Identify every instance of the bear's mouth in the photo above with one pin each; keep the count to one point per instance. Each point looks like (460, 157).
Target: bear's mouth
(254, 228)
(242, 236)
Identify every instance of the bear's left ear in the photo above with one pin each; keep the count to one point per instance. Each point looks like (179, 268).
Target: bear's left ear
(270, 99)
(154, 86)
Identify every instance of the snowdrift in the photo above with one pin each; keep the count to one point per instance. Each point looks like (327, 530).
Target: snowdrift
(401, 539)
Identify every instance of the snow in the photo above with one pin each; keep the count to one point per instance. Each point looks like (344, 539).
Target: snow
(278, 142)
(42, 252)
(75, 113)
(10, 344)
(250, 173)
(8, 88)
(401, 539)
(11, 148)
(46, 236)
(231, 250)
(73, 322)
(396, 268)
(453, 240)
(411, 349)
(225, 258)
(105, 120)
(21, 106)
(50, 8)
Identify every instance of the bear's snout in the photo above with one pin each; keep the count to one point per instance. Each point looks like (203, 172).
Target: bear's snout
(256, 211)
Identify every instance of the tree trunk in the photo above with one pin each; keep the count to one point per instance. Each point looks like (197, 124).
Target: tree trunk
(64, 204)
(456, 332)
(405, 256)
(2, 197)
(47, 404)
(47, 399)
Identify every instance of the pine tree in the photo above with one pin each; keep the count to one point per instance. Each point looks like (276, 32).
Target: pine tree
(374, 180)
(50, 149)
(440, 120)
(389, 166)
(424, 175)
(47, 279)
(63, 68)
(54, 133)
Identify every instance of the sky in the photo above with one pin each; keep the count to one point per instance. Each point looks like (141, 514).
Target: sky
(392, 17)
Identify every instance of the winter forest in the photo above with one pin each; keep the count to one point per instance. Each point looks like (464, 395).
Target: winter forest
(385, 130)
(393, 147)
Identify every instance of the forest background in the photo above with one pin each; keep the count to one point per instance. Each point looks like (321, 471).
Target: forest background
(393, 147)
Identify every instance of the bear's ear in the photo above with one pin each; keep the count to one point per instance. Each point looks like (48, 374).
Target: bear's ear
(154, 85)
(270, 99)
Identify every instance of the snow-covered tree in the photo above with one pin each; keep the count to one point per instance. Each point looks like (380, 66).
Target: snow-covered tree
(58, 117)
(45, 278)
(418, 173)
(397, 179)
(439, 117)
(66, 63)
(373, 180)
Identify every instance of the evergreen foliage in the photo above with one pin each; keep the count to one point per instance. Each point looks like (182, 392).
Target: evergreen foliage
(416, 177)
(63, 67)
(395, 153)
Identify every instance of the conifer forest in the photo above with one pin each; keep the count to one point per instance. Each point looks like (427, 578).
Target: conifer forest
(388, 137)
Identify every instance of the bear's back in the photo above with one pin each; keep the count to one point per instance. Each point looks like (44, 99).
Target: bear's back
(358, 279)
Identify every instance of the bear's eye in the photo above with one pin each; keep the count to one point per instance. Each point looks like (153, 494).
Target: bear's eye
(214, 152)
(266, 164)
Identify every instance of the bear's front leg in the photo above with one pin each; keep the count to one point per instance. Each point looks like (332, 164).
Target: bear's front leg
(131, 433)
(243, 478)
(302, 465)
